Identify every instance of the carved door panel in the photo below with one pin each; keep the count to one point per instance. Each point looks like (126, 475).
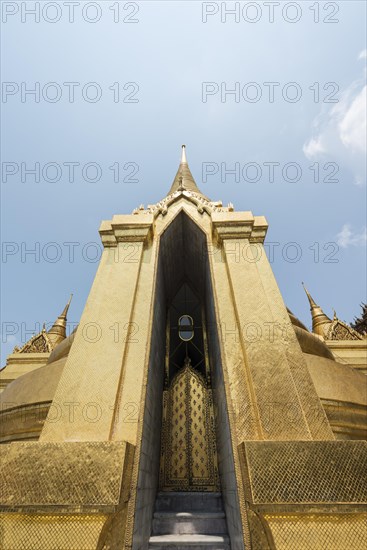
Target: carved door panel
(188, 450)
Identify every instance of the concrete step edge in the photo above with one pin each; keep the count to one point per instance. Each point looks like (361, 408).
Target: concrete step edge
(189, 539)
(178, 495)
(189, 515)
(198, 546)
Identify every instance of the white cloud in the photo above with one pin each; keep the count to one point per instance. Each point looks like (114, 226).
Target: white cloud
(347, 237)
(314, 147)
(340, 132)
(363, 54)
(352, 127)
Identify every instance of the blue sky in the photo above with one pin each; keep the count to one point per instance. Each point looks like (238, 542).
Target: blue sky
(162, 60)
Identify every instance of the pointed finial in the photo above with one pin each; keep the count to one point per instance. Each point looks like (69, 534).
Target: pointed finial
(183, 155)
(57, 332)
(66, 308)
(319, 318)
(310, 299)
(188, 182)
(187, 361)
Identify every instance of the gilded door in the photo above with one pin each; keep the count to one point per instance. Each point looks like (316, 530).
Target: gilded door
(188, 450)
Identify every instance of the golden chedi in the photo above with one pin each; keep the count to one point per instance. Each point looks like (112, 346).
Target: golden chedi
(190, 408)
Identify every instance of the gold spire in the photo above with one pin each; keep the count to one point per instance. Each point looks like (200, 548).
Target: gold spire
(183, 155)
(319, 318)
(57, 332)
(184, 179)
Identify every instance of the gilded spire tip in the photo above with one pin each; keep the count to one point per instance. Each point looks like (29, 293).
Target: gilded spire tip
(183, 155)
(57, 332)
(184, 179)
(319, 318)
(310, 299)
(66, 308)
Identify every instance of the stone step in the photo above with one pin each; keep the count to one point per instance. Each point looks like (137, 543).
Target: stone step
(181, 523)
(189, 502)
(189, 542)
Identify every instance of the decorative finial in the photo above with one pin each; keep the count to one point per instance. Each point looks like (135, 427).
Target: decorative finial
(183, 156)
(57, 332)
(310, 299)
(66, 308)
(188, 180)
(187, 362)
(318, 316)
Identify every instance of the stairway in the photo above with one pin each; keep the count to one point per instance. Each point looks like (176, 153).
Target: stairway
(189, 521)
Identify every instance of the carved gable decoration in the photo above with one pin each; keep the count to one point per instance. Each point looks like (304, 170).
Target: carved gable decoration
(338, 330)
(39, 343)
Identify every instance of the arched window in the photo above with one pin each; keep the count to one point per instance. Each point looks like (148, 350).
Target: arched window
(186, 328)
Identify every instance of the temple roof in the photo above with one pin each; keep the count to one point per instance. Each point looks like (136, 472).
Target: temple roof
(184, 180)
(46, 341)
(39, 343)
(329, 329)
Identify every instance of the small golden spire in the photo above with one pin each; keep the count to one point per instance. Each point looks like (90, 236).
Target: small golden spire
(183, 155)
(66, 308)
(57, 332)
(184, 179)
(319, 318)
